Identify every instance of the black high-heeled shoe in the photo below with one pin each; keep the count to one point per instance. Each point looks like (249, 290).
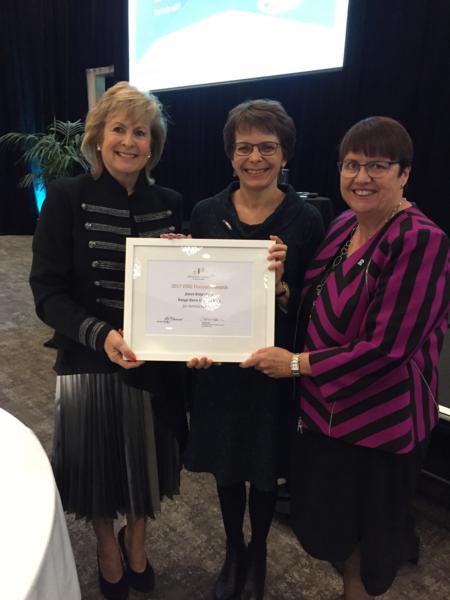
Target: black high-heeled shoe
(256, 573)
(142, 582)
(232, 575)
(112, 591)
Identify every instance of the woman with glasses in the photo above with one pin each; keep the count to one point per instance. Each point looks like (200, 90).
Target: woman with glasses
(374, 309)
(239, 419)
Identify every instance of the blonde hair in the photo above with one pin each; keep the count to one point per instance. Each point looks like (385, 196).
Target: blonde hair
(123, 97)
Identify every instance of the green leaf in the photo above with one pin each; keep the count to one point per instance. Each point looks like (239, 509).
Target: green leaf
(57, 152)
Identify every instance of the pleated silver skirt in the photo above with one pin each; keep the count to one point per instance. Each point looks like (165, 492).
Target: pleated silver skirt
(110, 455)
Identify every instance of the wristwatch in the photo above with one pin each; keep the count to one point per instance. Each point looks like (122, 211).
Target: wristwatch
(295, 365)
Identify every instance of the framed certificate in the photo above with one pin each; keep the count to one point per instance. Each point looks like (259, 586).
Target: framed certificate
(187, 298)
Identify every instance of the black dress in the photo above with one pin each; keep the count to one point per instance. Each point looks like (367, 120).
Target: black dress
(118, 433)
(345, 496)
(239, 418)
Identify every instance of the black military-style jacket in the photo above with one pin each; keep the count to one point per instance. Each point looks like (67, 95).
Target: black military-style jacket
(77, 275)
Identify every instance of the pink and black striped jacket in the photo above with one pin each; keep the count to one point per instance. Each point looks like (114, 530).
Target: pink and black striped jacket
(375, 333)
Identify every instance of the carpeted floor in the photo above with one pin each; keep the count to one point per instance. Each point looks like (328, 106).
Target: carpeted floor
(185, 544)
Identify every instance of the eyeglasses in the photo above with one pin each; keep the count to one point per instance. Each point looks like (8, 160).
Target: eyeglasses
(374, 168)
(264, 148)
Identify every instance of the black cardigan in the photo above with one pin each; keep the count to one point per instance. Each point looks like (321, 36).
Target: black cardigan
(295, 221)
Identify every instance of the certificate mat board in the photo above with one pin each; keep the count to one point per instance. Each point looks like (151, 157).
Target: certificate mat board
(187, 298)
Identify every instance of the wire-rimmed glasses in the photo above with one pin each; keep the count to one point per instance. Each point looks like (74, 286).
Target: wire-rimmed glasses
(264, 148)
(374, 168)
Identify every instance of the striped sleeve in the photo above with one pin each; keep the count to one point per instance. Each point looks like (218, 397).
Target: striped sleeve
(411, 297)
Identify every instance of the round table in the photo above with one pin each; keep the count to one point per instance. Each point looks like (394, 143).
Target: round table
(36, 557)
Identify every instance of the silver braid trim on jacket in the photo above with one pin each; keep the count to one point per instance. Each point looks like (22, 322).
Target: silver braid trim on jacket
(107, 228)
(99, 245)
(93, 326)
(157, 232)
(94, 333)
(106, 210)
(109, 265)
(110, 285)
(110, 302)
(82, 332)
(153, 216)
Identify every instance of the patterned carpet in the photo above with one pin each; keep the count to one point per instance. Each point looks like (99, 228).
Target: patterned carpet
(185, 544)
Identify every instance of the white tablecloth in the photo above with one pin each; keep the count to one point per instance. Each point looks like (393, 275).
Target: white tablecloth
(36, 558)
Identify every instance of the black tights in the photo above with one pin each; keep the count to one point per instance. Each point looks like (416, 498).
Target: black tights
(261, 508)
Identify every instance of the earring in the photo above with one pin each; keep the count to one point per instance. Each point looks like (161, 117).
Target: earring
(98, 148)
(149, 155)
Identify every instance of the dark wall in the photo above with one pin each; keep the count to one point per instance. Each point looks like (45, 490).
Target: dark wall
(397, 64)
(48, 45)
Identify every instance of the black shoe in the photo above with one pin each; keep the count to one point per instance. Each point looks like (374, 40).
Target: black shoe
(231, 579)
(142, 582)
(256, 573)
(112, 591)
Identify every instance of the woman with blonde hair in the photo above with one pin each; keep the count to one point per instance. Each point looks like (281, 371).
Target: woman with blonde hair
(118, 427)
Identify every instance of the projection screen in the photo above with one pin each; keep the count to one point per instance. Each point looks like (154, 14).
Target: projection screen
(176, 44)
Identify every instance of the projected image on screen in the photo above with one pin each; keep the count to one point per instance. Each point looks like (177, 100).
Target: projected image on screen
(186, 43)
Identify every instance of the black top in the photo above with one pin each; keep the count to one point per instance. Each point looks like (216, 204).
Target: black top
(296, 222)
(240, 418)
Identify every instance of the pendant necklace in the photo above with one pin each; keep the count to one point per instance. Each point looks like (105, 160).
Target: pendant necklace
(388, 218)
(343, 252)
(336, 262)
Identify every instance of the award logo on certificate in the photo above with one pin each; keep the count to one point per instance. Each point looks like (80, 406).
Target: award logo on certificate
(187, 298)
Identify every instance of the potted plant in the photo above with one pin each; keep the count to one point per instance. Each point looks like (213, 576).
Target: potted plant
(49, 155)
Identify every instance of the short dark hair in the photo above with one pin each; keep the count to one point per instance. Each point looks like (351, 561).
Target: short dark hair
(266, 115)
(379, 136)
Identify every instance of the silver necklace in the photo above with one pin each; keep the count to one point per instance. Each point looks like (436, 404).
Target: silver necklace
(388, 218)
(336, 262)
(344, 251)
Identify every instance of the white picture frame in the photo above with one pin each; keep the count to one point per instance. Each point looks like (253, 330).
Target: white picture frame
(187, 298)
(444, 412)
